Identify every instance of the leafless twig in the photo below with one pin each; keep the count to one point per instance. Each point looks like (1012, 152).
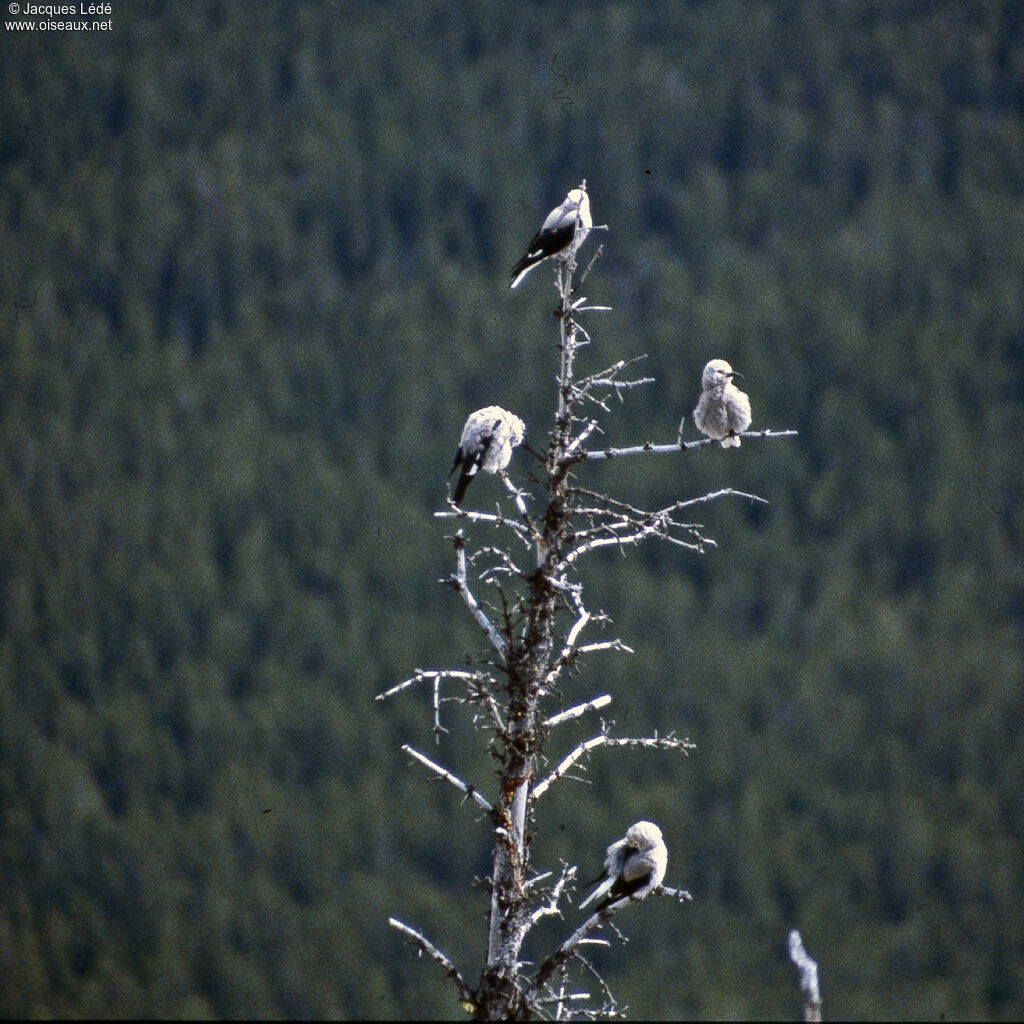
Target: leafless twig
(569, 947)
(461, 584)
(578, 711)
(423, 674)
(465, 787)
(808, 970)
(623, 530)
(551, 907)
(604, 740)
(466, 995)
(496, 519)
(665, 449)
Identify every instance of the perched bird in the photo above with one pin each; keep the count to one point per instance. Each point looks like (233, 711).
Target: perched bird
(556, 233)
(723, 411)
(633, 867)
(487, 441)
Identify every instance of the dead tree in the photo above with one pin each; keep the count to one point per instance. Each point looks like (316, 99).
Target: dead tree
(807, 968)
(534, 622)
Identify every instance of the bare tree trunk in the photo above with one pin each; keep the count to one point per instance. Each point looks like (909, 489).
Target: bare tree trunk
(529, 659)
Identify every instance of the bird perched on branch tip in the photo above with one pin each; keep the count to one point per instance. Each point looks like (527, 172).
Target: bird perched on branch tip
(556, 233)
(487, 441)
(633, 867)
(723, 411)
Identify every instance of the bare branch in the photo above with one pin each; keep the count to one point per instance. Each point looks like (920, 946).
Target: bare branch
(478, 684)
(438, 727)
(464, 787)
(577, 627)
(608, 375)
(568, 948)
(808, 970)
(551, 907)
(518, 497)
(423, 674)
(480, 691)
(683, 895)
(606, 505)
(664, 449)
(618, 524)
(530, 883)
(610, 1008)
(593, 260)
(461, 584)
(583, 435)
(725, 492)
(565, 764)
(633, 530)
(562, 997)
(604, 740)
(654, 529)
(466, 995)
(570, 651)
(605, 645)
(607, 379)
(578, 937)
(455, 512)
(578, 711)
(507, 566)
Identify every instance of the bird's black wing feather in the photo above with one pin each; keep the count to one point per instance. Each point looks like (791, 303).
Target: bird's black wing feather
(544, 244)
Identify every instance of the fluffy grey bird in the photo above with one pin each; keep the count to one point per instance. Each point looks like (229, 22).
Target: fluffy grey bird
(633, 866)
(556, 233)
(723, 411)
(487, 441)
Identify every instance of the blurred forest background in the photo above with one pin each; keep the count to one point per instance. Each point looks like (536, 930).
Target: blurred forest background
(253, 278)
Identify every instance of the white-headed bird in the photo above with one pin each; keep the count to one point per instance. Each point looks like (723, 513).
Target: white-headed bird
(723, 411)
(633, 867)
(556, 233)
(487, 441)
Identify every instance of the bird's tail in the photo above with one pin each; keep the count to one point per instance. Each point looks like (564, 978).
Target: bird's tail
(604, 887)
(522, 268)
(467, 474)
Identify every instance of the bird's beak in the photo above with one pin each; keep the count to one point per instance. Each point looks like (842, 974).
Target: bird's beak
(734, 373)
